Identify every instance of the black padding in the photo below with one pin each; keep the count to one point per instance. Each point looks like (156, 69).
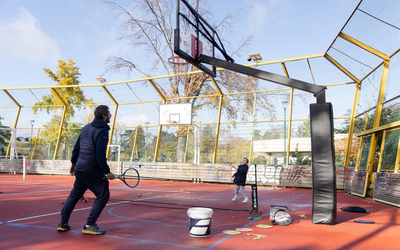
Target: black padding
(323, 164)
(354, 209)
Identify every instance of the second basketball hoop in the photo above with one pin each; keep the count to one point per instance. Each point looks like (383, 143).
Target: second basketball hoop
(175, 114)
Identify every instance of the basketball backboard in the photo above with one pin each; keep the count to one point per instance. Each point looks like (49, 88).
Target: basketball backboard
(175, 114)
(194, 37)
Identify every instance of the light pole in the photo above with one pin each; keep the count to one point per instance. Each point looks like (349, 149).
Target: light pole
(145, 140)
(32, 122)
(284, 105)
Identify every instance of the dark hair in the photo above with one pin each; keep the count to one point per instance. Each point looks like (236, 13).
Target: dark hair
(100, 111)
(246, 159)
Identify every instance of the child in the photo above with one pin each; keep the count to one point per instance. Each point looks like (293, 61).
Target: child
(240, 180)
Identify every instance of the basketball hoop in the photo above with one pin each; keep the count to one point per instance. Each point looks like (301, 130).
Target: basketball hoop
(172, 122)
(177, 60)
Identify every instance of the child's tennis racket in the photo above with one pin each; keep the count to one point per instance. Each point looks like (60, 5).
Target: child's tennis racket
(225, 159)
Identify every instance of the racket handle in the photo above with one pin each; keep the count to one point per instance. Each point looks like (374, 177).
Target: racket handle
(107, 178)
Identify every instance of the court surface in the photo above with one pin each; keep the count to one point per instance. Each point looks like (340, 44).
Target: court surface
(30, 212)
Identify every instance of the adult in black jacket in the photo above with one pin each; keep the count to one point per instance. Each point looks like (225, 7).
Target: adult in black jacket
(89, 165)
(240, 180)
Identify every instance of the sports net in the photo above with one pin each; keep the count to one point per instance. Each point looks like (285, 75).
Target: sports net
(189, 185)
(165, 184)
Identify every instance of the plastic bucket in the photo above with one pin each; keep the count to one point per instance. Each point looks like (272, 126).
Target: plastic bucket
(199, 221)
(275, 209)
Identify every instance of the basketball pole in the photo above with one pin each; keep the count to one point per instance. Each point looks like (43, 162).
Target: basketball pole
(321, 126)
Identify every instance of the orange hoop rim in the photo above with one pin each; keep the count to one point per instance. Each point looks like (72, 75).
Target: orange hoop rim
(176, 60)
(172, 122)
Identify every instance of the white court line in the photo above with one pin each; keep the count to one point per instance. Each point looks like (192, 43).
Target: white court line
(31, 183)
(36, 192)
(43, 215)
(161, 196)
(117, 203)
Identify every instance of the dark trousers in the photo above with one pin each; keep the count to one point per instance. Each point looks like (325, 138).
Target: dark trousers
(84, 181)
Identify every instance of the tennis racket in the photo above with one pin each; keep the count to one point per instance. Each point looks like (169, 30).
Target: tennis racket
(225, 159)
(130, 177)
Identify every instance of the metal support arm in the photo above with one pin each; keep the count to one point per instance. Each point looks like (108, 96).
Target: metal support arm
(316, 90)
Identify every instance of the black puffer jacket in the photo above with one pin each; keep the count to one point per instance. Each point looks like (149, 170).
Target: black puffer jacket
(89, 152)
(241, 174)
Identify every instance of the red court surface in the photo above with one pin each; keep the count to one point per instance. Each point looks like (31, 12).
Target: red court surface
(30, 212)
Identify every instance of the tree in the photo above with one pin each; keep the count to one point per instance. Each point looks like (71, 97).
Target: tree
(341, 146)
(366, 121)
(300, 158)
(257, 134)
(168, 145)
(128, 139)
(275, 132)
(149, 26)
(6, 134)
(304, 130)
(207, 143)
(67, 74)
(235, 147)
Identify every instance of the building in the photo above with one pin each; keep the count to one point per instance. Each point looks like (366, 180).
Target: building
(274, 148)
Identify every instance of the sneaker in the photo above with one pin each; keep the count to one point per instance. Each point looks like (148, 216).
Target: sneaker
(235, 198)
(246, 200)
(92, 229)
(63, 227)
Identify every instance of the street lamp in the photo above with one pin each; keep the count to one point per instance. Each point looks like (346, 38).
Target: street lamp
(284, 105)
(255, 58)
(145, 140)
(32, 122)
(100, 79)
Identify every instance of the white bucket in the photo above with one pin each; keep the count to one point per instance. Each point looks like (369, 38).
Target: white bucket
(199, 221)
(275, 209)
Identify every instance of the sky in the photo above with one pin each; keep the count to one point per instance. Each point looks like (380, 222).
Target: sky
(36, 34)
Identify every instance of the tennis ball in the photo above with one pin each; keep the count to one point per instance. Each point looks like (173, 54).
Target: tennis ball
(139, 195)
(249, 59)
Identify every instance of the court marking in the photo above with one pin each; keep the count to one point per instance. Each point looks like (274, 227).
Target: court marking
(35, 192)
(103, 235)
(44, 215)
(11, 223)
(109, 211)
(248, 224)
(139, 240)
(32, 183)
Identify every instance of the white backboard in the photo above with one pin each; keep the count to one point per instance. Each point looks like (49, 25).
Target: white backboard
(176, 113)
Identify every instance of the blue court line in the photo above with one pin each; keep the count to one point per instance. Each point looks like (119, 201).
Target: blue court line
(248, 224)
(103, 235)
(13, 224)
(109, 211)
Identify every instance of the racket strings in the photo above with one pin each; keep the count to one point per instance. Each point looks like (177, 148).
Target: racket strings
(130, 177)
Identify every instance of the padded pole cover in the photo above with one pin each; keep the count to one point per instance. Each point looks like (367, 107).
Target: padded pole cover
(323, 164)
